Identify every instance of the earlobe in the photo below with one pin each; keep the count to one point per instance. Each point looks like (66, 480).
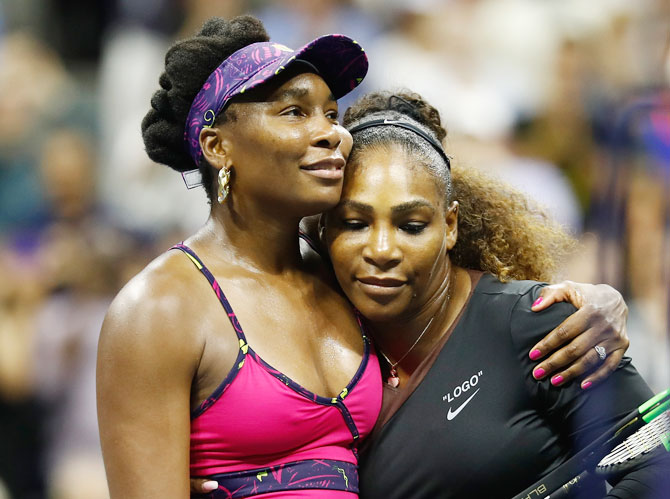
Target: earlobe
(215, 148)
(321, 230)
(452, 225)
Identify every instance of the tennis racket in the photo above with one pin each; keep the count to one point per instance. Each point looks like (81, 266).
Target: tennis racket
(642, 435)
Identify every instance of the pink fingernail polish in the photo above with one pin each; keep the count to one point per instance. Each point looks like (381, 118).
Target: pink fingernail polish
(539, 372)
(537, 302)
(557, 380)
(535, 354)
(586, 385)
(210, 486)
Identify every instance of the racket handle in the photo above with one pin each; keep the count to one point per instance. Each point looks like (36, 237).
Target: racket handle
(567, 489)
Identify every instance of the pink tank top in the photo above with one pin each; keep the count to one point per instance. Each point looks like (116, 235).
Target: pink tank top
(262, 434)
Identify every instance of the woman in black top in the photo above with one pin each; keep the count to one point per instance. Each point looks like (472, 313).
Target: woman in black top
(443, 286)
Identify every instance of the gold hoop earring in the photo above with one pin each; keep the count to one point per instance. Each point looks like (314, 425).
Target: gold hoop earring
(224, 184)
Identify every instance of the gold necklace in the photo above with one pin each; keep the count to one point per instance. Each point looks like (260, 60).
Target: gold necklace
(393, 379)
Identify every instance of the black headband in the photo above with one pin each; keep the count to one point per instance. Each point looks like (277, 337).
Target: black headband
(407, 126)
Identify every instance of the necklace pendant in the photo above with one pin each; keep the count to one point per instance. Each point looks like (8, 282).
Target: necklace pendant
(393, 380)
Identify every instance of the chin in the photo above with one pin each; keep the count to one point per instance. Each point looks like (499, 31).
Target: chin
(374, 311)
(326, 202)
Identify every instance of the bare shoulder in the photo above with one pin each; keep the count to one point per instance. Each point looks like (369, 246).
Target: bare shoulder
(146, 364)
(153, 310)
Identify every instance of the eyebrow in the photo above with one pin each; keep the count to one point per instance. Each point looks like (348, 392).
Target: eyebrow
(398, 209)
(356, 205)
(410, 205)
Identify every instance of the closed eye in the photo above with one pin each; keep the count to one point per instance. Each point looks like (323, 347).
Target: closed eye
(413, 227)
(354, 224)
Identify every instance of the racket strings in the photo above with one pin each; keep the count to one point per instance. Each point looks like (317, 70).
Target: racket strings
(642, 441)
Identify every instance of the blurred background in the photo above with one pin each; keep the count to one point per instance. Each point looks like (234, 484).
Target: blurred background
(567, 99)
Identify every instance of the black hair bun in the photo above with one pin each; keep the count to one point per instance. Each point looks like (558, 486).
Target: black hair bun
(188, 64)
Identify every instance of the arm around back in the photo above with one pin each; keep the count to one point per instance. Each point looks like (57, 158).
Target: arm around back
(582, 416)
(146, 364)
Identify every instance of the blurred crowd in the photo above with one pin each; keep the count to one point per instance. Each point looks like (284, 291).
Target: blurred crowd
(569, 100)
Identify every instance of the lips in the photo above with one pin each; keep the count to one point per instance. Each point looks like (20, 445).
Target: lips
(382, 290)
(330, 168)
(384, 282)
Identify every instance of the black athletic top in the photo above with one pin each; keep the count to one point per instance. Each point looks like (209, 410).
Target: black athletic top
(473, 423)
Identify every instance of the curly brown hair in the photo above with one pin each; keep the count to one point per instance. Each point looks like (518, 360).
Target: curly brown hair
(500, 230)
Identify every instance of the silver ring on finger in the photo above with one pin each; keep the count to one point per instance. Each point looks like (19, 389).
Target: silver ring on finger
(602, 353)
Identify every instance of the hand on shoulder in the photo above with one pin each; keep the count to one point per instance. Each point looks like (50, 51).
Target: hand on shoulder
(568, 351)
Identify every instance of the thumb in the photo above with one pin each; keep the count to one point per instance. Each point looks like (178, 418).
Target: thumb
(203, 485)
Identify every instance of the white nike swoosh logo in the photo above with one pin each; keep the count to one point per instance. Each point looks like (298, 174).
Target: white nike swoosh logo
(452, 415)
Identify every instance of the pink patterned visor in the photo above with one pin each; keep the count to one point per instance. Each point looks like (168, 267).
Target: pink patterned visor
(339, 60)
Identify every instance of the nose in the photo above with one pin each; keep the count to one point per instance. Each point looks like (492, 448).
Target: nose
(381, 249)
(326, 133)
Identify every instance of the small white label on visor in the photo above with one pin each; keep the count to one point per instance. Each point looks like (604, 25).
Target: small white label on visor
(192, 178)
